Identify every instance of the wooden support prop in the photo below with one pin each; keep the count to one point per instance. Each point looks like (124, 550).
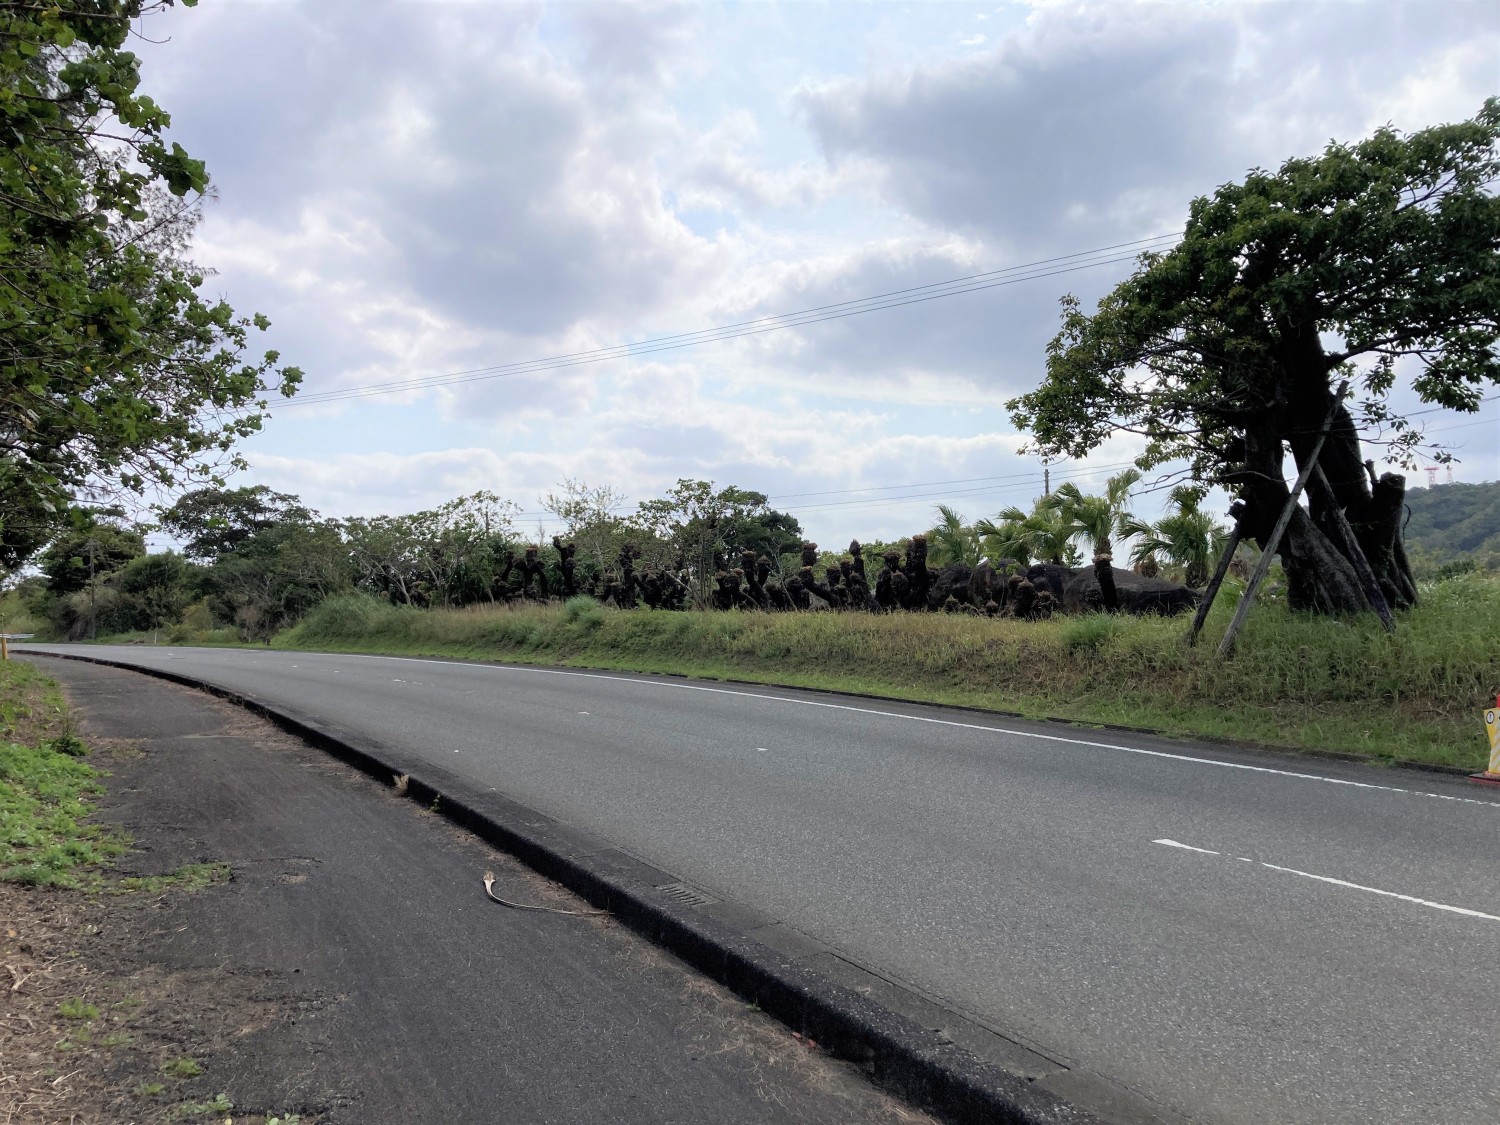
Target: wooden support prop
(4, 648)
(1263, 567)
(1212, 590)
(1354, 551)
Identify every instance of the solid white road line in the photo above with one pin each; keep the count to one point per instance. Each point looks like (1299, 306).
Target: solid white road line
(1010, 732)
(667, 684)
(1345, 883)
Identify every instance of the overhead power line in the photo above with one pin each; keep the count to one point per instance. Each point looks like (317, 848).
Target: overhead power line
(972, 283)
(1014, 481)
(915, 484)
(1435, 409)
(1080, 475)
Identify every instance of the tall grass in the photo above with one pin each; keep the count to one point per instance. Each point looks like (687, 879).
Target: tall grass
(1318, 683)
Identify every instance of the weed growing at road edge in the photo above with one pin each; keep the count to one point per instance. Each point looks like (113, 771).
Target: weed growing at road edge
(220, 1103)
(76, 1008)
(184, 1067)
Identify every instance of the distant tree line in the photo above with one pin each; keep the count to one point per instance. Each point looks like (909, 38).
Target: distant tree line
(255, 561)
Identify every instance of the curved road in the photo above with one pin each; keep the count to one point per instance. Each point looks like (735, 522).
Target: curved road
(1234, 937)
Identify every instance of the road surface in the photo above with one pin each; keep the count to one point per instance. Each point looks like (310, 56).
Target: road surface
(353, 970)
(1235, 937)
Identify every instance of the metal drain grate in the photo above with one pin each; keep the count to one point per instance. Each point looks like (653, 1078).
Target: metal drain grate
(688, 896)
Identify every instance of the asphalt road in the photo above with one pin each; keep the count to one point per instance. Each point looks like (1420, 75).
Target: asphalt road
(1236, 937)
(353, 971)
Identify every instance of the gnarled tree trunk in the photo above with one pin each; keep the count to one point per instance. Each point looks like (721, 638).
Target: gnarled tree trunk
(1321, 577)
(1374, 512)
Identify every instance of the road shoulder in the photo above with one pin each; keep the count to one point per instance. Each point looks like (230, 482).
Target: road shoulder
(351, 969)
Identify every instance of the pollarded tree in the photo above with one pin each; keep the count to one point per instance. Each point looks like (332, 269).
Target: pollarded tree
(1367, 262)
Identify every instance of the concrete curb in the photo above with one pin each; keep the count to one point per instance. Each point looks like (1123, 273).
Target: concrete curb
(921, 1066)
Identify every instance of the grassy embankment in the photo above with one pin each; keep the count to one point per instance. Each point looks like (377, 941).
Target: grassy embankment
(1296, 681)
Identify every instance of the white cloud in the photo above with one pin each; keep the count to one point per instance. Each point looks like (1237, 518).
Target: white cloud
(410, 190)
(1097, 122)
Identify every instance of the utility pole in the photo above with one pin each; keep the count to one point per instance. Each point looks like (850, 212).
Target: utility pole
(93, 616)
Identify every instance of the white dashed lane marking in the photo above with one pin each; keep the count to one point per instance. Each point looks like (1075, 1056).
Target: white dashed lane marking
(1343, 883)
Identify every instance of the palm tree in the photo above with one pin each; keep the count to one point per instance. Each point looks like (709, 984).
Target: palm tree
(950, 541)
(1096, 519)
(1039, 535)
(1186, 536)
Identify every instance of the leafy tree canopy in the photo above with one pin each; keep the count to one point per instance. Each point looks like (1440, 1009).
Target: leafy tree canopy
(1227, 349)
(118, 373)
(156, 588)
(92, 548)
(444, 555)
(218, 521)
(702, 521)
(591, 521)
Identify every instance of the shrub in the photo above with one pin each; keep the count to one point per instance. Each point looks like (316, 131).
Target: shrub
(68, 743)
(583, 611)
(1087, 635)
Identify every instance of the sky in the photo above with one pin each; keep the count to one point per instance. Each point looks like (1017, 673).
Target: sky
(413, 189)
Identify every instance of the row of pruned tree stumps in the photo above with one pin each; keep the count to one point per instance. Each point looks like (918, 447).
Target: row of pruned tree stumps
(904, 582)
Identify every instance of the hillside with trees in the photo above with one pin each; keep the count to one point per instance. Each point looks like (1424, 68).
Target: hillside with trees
(1454, 523)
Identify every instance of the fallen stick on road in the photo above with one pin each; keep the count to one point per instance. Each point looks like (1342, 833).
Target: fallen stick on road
(489, 889)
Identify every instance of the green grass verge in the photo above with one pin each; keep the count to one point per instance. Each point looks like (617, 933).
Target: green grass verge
(45, 787)
(46, 790)
(1296, 681)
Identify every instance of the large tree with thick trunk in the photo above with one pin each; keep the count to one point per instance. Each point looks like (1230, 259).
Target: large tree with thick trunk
(1376, 262)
